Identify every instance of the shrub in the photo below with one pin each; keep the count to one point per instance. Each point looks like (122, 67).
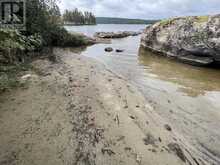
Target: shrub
(13, 45)
(61, 37)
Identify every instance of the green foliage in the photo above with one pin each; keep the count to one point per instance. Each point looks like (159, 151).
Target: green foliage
(202, 19)
(11, 39)
(166, 22)
(33, 42)
(62, 38)
(9, 76)
(79, 18)
(44, 28)
(198, 19)
(42, 17)
(74, 40)
(7, 81)
(13, 45)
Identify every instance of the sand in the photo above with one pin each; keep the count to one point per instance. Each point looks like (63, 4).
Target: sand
(77, 112)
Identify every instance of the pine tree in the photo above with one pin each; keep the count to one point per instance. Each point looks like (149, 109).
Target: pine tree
(79, 18)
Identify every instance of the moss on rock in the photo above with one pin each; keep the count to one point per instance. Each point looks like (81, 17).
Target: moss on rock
(202, 19)
(165, 22)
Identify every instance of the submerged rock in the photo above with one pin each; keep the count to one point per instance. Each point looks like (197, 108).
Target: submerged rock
(122, 34)
(119, 50)
(108, 49)
(194, 40)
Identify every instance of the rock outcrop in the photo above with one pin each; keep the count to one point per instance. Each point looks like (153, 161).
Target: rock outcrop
(194, 40)
(119, 34)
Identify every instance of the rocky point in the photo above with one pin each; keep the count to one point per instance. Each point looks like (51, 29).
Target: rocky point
(194, 40)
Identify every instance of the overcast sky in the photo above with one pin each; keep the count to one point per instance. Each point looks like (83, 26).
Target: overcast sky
(144, 9)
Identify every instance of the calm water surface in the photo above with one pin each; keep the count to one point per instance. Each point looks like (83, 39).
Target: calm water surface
(186, 96)
(89, 30)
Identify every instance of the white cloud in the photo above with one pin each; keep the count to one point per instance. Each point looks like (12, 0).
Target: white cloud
(146, 9)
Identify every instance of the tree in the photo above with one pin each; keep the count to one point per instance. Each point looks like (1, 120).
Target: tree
(43, 16)
(79, 18)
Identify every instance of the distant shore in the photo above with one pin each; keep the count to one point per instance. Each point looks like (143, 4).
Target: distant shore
(74, 24)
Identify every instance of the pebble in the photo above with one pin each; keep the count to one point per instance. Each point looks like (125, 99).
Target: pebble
(168, 128)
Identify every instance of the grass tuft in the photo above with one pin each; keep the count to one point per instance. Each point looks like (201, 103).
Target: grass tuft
(166, 22)
(202, 19)
(9, 76)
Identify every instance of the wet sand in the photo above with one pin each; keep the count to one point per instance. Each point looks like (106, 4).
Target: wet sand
(185, 96)
(76, 111)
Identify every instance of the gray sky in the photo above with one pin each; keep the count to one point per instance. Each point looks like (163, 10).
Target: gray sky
(144, 9)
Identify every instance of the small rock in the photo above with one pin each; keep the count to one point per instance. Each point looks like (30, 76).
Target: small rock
(160, 140)
(153, 150)
(108, 49)
(70, 79)
(119, 50)
(108, 151)
(132, 117)
(127, 148)
(149, 140)
(168, 128)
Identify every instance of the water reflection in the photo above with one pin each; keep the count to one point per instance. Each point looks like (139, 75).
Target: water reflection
(193, 80)
(146, 69)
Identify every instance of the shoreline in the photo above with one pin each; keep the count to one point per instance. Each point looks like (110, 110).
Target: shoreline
(82, 113)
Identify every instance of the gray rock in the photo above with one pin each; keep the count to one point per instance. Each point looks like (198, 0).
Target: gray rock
(122, 34)
(119, 50)
(108, 49)
(150, 140)
(167, 127)
(194, 40)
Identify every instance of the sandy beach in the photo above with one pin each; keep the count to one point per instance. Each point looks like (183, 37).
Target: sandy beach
(75, 111)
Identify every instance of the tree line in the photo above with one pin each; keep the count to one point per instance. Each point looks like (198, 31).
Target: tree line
(78, 17)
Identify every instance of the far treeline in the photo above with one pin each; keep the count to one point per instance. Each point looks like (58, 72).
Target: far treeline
(110, 20)
(76, 17)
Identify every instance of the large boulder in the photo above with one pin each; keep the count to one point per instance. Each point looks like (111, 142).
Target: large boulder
(194, 40)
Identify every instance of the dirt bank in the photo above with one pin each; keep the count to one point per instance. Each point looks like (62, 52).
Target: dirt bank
(76, 112)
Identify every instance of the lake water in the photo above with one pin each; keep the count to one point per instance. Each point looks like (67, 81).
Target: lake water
(187, 97)
(90, 30)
